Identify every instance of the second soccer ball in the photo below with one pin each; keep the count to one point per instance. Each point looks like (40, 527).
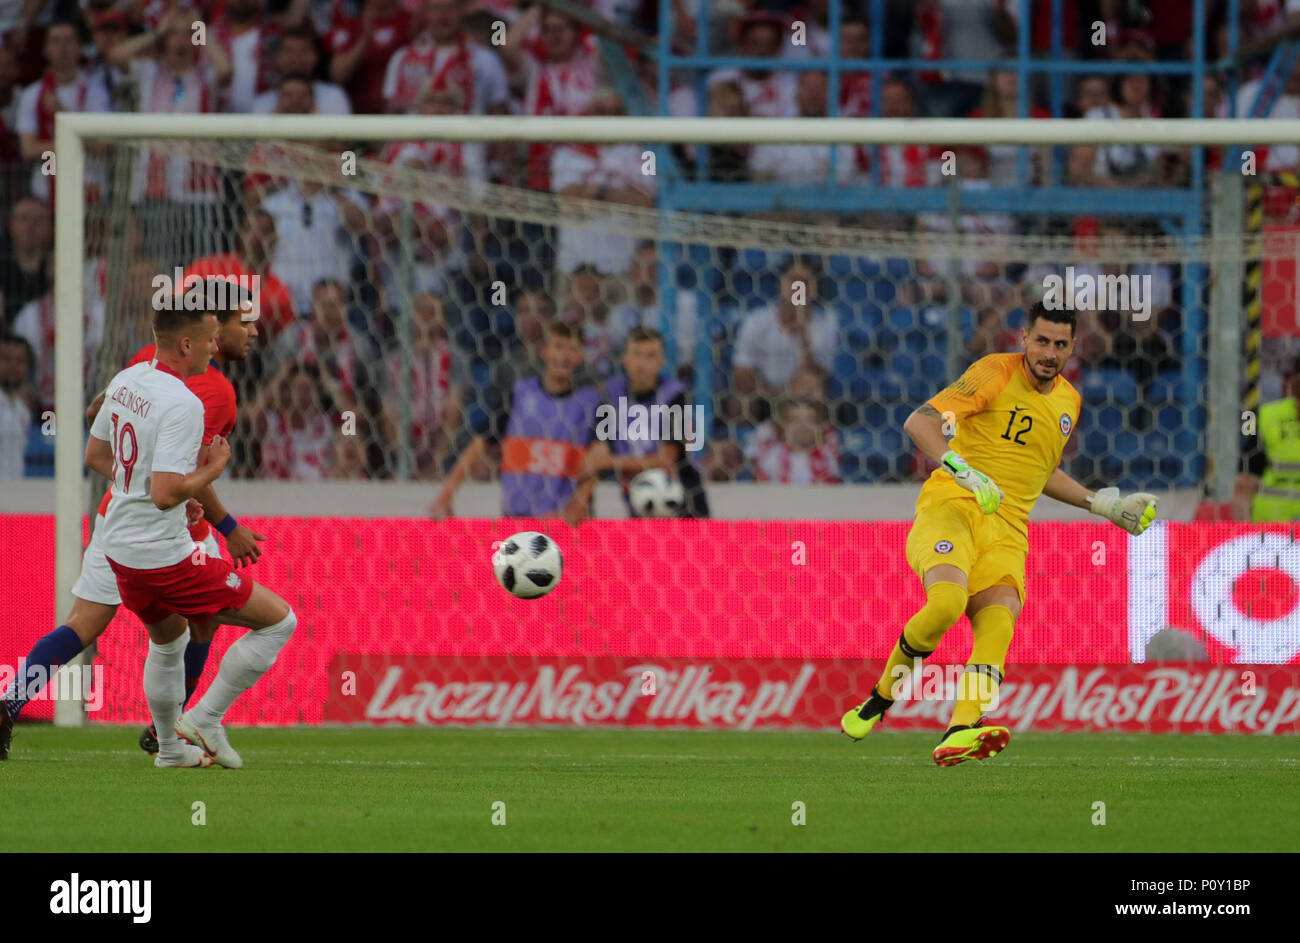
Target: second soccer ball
(655, 493)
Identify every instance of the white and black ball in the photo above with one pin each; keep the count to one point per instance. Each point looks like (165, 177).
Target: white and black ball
(655, 493)
(528, 564)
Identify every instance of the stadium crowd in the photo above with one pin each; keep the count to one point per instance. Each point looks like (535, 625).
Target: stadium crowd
(791, 379)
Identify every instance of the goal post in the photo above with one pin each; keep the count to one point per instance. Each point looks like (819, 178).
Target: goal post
(75, 133)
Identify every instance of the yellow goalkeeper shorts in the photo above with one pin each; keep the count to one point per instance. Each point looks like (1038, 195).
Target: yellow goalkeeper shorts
(953, 530)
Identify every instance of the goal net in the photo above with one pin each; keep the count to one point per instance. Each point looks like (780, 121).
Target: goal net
(403, 294)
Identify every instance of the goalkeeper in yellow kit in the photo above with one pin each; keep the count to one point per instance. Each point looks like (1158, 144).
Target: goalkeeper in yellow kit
(1011, 414)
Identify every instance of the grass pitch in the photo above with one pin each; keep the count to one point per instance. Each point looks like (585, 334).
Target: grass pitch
(313, 789)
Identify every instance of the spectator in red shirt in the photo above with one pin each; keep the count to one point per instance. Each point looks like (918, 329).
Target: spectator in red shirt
(361, 48)
(254, 246)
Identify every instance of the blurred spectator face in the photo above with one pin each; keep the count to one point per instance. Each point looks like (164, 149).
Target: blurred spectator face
(329, 309)
(584, 289)
(812, 95)
(107, 32)
(62, 50)
(1006, 85)
(896, 101)
(302, 395)
(559, 38)
(296, 97)
(257, 239)
(533, 311)
(429, 320)
(800, 426)
(643, 361)
(349, 457)
(1134, 90)
(297, 56)
(799, 275)
(855, 41)
(761, 41)
(644, 273)
(30, 227)
(442, 18)
(726, 100)
(1093, 94)
(178, 50)
(13, 365)
(562, 355)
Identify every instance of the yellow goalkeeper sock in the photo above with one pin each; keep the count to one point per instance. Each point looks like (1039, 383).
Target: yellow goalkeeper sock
(945, 602)
(992, 628)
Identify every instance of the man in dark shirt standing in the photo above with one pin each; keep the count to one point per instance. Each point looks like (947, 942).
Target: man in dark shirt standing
(640, 386)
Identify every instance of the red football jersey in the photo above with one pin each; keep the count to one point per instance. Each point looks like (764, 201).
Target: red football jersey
(220, 410)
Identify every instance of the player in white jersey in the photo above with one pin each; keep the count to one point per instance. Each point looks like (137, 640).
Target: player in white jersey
(146, 440)
(95, 599)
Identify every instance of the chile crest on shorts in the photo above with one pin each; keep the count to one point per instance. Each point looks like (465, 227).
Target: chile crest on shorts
(943, 546)
(1066, 425)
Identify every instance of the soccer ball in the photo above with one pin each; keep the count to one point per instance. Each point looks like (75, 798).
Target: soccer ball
(655, 493)
(528, 564)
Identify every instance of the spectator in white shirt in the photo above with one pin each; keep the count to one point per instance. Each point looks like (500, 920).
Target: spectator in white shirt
(778, 340)
(178, 201)
(442, 55)
(768, 94)
(65, 86)
(249, 44)
(803, 163)
(36, 324)
(611, 172)
(17, 404)
(299, 56)
(315, 227)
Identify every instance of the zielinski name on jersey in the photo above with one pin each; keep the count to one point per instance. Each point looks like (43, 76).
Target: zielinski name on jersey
(132, 401)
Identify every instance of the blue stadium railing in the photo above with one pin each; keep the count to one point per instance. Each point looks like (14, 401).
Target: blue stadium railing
(1181, 211)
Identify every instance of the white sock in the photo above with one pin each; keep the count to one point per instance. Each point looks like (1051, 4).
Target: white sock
(164, 688)
(244, 662)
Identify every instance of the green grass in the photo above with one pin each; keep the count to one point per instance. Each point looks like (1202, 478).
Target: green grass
(314, 789)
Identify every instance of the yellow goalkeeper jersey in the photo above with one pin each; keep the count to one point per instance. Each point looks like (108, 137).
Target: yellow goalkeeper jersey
(1006, 429)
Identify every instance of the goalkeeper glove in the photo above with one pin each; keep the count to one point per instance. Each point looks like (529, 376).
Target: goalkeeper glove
(1133, 513)
(987, 495)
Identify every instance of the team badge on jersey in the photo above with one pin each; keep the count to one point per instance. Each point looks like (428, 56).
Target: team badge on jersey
(943, 546)
(1066, 425)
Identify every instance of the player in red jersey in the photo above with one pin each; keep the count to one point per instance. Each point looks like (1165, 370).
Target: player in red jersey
(148, 440)
(95, 594)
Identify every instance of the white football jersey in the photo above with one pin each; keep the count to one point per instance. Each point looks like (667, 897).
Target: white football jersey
(154, 424)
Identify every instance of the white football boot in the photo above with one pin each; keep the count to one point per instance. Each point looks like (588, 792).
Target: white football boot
(187, 757)
(211, 739)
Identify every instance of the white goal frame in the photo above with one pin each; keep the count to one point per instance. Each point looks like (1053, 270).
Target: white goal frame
(73, 129)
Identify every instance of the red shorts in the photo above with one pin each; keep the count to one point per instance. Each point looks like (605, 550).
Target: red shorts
(197, 591)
